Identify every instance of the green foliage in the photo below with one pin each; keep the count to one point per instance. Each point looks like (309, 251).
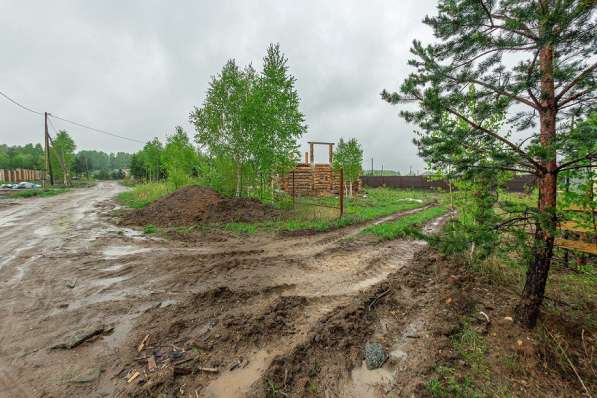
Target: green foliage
(448, 385)
(62, 154)
(532, 61)
(249, 123)
(179, 158)
(405, 226)
(92, 163)
(45, 192)
(472, 348)
(151, 156)
(150, 229)
(143, 194)
(22, 157)
(349, 156)
(241, 228)
(377, 202)
(578, 184)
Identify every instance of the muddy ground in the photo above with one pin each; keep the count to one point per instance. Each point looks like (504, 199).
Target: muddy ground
(90, 309)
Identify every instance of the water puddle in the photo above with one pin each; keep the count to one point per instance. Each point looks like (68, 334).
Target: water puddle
(236, 383)
(119, 251)
(365, 383)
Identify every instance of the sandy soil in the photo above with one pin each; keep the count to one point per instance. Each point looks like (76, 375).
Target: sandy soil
(252, 308)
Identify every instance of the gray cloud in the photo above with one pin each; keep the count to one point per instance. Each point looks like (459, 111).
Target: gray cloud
(137, 68)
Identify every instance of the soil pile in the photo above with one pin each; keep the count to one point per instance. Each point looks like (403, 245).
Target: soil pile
(194, 204)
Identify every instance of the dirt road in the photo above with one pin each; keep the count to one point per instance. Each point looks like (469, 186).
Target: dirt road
(65, 269)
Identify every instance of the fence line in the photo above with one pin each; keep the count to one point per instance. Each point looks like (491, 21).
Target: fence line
(517, 184)
(19, 175)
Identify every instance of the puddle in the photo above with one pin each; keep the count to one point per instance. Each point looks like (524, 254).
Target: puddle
(167, 303)
(236, 383)
(121, 330)
(366, 383)
(118, 251)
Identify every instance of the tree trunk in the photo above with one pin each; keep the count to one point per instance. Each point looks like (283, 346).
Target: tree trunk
(237, 191)
(529, 307)
(350, 189)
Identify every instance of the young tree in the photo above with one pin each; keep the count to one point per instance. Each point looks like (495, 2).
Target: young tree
(137, 166)
(179, 158)
(152, 154)
(221, 122)
(62, 156)
(278, 122)
(349, 156)
(534, 57)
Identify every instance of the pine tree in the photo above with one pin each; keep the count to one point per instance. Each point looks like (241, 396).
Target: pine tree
(532, 60)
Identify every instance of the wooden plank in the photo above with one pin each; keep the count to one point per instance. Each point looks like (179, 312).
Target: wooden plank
(574, 227)
(580, 209)
(585, 247)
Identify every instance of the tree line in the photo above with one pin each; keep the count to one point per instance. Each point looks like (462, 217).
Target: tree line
(63, 156)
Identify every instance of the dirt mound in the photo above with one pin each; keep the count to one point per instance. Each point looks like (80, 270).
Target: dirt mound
(194, 204)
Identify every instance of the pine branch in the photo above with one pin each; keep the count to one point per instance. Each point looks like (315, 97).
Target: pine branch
(589, 156)
(575, 96)
(497, 91)
(575, 81)
(495, 135)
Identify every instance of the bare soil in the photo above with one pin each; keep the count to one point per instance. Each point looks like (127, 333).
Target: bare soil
(257, 316)
(194, 204)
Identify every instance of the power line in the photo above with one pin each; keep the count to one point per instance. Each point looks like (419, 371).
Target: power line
(20, 105)
(52, 125)
(94, 129)
(70, 121)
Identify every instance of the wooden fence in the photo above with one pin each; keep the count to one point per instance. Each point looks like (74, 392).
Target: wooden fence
(313, 179)
(19, 175)
(517, 184)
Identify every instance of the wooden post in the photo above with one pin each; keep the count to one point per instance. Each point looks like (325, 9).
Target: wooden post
(47, 147)
(306, 157)
(341, 192)
(331, 152)
(312, 153)
(293, 189)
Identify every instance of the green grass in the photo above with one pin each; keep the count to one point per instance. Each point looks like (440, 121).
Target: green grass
(405, 226)
(240, 228)
(472, 348)
(307, 216)
(143, 194)
(150, 229)
(316, 214)
(39, 192)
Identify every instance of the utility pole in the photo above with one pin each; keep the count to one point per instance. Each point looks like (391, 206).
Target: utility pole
(47, 147)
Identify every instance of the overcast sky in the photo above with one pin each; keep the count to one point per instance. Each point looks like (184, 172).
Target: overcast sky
(138, 68)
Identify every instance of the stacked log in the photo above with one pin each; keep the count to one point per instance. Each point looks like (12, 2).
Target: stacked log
(19, 175)
(313, 180)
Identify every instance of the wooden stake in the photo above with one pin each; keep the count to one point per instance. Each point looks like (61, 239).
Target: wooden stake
(341, 189)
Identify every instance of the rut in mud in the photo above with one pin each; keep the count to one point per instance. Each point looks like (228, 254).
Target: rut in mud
(241, 305)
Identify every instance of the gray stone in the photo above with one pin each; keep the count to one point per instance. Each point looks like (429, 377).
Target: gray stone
(88, 376)
(375, 355)
(79, 337)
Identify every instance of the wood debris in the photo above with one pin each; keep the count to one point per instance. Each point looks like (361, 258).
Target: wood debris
(143, 342)
(133, 376)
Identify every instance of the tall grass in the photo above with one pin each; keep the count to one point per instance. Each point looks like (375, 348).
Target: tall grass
(142, 195)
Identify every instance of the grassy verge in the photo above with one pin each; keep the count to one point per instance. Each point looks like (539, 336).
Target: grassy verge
(142, 195)
(319, 214)
(39, 192)
(315, 214)
(405, 226)
(472, 348)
